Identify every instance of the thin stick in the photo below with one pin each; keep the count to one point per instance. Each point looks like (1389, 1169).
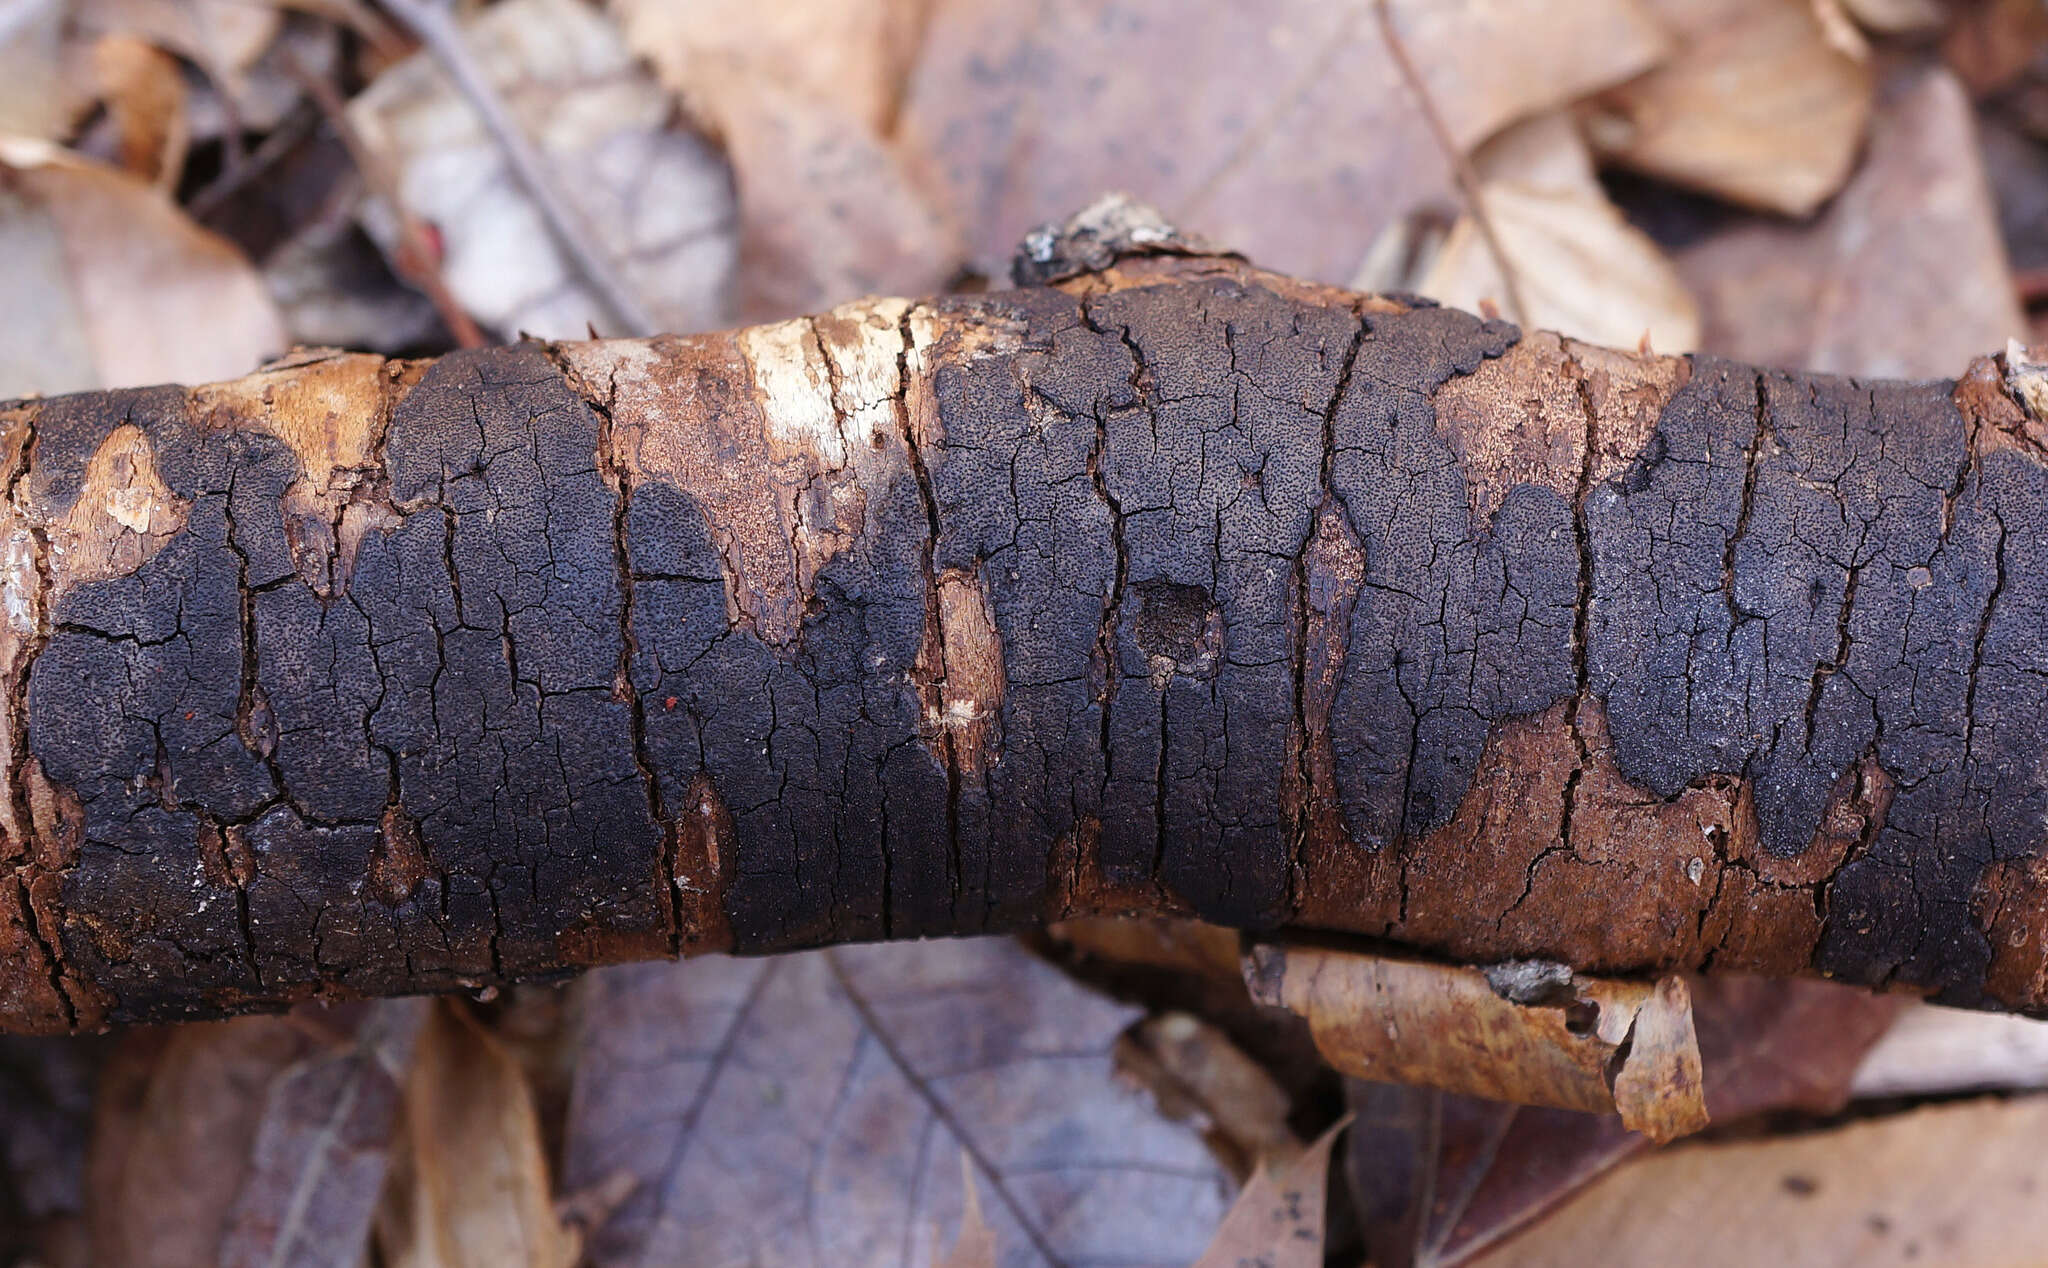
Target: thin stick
(438, 32)
(1461, 165)
(416, 257)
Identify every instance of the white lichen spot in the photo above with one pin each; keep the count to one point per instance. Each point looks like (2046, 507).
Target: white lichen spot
(19, 583)
(794, 386)
(1696, 869)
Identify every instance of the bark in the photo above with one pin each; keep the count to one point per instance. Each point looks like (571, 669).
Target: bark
(1169, 585)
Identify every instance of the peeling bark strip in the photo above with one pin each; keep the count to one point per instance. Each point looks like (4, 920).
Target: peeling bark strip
(1171, 585)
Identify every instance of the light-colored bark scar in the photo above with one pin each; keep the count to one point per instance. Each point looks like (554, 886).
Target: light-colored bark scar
(783, 436)
(960, 673)
(1526, 416)
(124, 513)
(333, 413)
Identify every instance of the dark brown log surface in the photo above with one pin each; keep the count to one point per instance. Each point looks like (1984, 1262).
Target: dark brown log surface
(1172, 586)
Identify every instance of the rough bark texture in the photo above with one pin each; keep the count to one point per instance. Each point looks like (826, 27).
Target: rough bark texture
(1172, 585)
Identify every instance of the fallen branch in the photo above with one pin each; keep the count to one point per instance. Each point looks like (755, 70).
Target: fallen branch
(1162, 585)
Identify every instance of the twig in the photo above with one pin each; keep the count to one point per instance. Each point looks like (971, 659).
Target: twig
(1461, 164)
(416, 258)
(438, 32)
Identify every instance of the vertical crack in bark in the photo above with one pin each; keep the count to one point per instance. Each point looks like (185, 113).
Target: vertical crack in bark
(928, 498)
(1298, 833)
(1107, 634)
(1827, 669)
(1977, 651)
(1736, 616)
(48, 941)
(1582, 614)
(624, 689)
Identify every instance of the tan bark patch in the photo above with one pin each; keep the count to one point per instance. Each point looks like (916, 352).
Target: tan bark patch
(960, 668)
(780, 434)
(123, 515)
(333, 412)
(1648, 867)
(702, 870)
(1525, 417)
(2011, 907)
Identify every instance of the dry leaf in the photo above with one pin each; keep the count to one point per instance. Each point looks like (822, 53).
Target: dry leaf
(43, 84)
(810, 1110)
(1957, 1184)
(1528, 1032)
(1160, 942)
(1992, 43)
(221, 37)
(1439, 1178)
(1199, 1077)
(655, 197)
(1898, 17)
(1284, 130)
(471, 1186)
(109, 284)
(1935, 1051)
(261, 1140)
(144, 93)
(1903, 276)
(804, 97)
(1756, 106)
(1579, 267)
(1488, 63)
(1277, 1222)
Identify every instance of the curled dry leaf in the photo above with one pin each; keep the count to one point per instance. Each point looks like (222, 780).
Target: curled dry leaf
(1277, 1222)
(1956, 1184)
(1756, 105)
(655, 197)
(1531, 1033)
(1285, 129)
(1904, 275)
(261, 1140)
(471, 1186)
(109, 284)
(1439, 1178)
(1580, 268)
(812, 1108)
(803, 97)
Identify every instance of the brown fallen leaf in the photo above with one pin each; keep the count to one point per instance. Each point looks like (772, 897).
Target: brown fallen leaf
(1953, 1184)
(1756, 105)
(261, 1140)
(654, 198)
(46, 1107)
(1439, 1178)
(811, 1108)
(1201, 1078)
(109, 284)
(1278, 1222)
(1163, 942)
(144, 92)
(803, 96)
(1580, 268)
(1904, 275)
(1528, 1032)
(1286, 130)
(471, 1185)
